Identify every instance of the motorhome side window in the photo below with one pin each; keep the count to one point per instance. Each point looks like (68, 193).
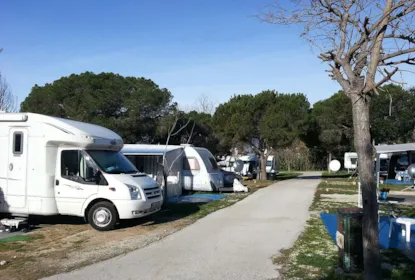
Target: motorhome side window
(74, 166)
(18, 143)
(191, 164)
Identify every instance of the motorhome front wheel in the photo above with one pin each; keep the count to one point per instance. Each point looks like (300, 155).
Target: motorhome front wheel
(103, 216)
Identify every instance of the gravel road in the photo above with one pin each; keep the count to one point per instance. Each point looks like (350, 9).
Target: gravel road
(235, 243)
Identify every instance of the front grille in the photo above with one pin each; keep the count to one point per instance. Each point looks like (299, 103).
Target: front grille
(152, 193)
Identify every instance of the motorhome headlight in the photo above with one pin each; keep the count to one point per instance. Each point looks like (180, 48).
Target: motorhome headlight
(134, 192)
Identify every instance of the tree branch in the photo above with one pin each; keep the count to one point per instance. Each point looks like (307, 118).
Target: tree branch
(375, 54)
(388, 76)
(398, 53)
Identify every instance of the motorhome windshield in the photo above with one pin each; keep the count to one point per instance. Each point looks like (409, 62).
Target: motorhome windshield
(112, 162)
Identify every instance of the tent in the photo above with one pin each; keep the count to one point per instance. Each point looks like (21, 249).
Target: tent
(149, 159)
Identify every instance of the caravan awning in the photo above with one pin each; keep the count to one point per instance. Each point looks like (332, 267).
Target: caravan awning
(144, 149)
(396, 148)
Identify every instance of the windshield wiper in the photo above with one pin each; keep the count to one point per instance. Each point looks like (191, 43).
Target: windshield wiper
(114, 172)
(122, 172)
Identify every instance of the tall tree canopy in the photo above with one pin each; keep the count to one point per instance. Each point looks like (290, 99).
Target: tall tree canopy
(192, 127)
(127, 105)
(335, 123)
(393, 115)
(266, 121)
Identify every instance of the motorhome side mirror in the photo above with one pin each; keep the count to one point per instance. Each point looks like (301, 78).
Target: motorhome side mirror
(97, 176)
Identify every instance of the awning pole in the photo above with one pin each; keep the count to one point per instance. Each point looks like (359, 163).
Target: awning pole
(377, 170)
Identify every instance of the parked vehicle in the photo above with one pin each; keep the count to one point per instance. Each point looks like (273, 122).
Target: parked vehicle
(199, 169)
(228, 177)
(251, 165)
(52, 166)
(350, 161)
(273, 167)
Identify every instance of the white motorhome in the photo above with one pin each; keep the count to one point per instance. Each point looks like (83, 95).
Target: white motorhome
(199, 169)
(250, 168)
(273, 167)
(227, 163)
(52, 166)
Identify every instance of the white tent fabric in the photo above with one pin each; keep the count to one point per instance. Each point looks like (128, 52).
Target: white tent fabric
(148, 159)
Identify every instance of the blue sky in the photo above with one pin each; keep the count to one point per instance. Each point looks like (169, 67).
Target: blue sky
(215, 48)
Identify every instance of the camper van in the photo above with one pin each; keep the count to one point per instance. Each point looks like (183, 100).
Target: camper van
(198, 170)
(52, 166)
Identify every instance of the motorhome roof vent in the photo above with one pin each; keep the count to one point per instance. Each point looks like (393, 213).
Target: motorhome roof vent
(11, 117)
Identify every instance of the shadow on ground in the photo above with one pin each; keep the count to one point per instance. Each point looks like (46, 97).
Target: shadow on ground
(170, 213)
(310, 177)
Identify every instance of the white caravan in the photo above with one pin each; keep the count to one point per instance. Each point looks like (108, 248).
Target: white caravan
(350, 161)
(52, 166)
(199, 172)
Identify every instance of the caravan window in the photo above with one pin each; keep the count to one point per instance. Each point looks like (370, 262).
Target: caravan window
(191, 163)
(213, 163)
(18, 143)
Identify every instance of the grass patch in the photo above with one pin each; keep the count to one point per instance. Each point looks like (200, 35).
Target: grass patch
(339, 175)
(16, 238)
(314, 255)
(17, 243)
(286, 175)
(199, 210)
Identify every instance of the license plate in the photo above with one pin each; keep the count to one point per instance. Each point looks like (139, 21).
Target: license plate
(155, 205)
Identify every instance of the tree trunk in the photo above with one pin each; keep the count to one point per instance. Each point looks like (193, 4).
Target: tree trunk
(364, 148)
(263, 166)
(328, 161)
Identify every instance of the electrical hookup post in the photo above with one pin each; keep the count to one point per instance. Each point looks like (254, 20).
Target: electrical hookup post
(349, 239)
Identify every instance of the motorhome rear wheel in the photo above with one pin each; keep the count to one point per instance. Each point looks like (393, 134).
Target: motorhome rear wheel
(103, 216)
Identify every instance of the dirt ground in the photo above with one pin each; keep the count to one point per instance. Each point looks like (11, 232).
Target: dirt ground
(60, 244)
(71, 243)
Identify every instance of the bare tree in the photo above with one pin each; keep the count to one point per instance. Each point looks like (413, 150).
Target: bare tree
(365, 43)
(205, 105)
(173, 129)
(7, 99)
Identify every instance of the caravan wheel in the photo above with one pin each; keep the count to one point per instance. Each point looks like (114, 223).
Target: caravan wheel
(103, 216)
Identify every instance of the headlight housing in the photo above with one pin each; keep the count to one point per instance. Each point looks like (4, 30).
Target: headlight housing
(134, 192)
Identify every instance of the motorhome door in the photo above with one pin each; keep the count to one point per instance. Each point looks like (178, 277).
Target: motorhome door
(74, 181)
(16, 169)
